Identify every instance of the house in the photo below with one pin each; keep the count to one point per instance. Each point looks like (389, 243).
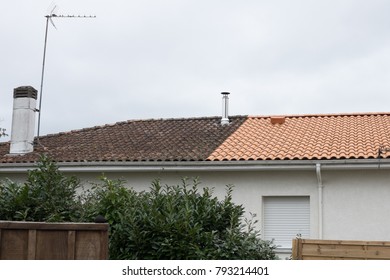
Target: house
(317, 176)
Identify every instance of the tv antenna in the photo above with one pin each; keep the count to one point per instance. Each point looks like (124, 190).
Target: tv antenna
(50, 17)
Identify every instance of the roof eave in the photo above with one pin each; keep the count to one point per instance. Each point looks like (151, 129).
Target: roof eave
(202, 166)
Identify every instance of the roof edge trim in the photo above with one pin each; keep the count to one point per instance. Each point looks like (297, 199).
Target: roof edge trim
(209, 166)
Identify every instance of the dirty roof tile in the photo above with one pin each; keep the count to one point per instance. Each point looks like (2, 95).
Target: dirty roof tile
(302, 137)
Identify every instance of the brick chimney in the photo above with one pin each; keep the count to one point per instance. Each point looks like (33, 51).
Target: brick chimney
(23, 120)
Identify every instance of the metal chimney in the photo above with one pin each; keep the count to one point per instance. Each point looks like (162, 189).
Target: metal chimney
(23, 120)
(225, 108)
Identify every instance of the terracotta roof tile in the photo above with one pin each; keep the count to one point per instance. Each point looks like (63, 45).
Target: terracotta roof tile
(304, 137)
(139, 140)
(348, 136)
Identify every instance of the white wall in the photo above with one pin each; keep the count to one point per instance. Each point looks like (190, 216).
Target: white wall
(249, 188)
(356, 203)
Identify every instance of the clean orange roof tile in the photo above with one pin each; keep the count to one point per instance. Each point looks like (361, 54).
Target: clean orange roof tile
(349, 136)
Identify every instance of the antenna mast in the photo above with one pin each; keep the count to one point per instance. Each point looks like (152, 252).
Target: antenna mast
(49, 18)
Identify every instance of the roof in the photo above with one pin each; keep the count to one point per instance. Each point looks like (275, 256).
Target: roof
(258, 138)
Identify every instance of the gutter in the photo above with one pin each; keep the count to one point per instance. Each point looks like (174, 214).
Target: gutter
(320, 200)
(205, 166)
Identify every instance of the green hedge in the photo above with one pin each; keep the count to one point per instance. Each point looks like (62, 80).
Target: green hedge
(46, 196)
(167, 222)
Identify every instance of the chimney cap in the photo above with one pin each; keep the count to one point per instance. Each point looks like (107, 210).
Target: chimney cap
(25, 91)
(225, 93)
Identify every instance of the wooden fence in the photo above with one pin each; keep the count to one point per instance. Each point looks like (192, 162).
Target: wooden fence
(309, 249)
(53, 241)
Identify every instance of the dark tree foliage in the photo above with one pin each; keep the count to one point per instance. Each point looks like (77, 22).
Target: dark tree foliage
(166, 222)
(175, 222)
(47, 195)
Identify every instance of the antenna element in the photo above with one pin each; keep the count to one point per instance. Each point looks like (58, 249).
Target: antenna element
(50, 17)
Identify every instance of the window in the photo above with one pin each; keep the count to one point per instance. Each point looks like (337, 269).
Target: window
(284, 217)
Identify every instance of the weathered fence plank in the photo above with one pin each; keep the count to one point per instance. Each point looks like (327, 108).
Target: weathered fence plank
(310, 249)
(53, 241)
(32, 244)
(71, 244)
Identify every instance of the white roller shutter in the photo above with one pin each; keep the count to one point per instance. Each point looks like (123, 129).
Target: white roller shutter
(285, 217)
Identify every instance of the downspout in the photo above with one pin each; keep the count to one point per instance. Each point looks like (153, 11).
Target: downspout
(320, 199)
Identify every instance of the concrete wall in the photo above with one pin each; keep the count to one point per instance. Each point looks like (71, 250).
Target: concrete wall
(249, 187)
(356, 203)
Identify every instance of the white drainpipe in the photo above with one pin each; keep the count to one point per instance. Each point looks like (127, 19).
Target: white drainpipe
(320, 200)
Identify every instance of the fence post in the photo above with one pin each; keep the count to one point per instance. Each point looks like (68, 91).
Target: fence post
(296, 249)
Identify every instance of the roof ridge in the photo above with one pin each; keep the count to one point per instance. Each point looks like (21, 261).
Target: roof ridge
(320, 115)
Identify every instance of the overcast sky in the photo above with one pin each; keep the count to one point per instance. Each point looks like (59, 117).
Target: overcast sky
(141, 59)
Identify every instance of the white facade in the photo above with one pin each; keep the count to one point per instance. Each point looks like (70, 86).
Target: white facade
(346, 201)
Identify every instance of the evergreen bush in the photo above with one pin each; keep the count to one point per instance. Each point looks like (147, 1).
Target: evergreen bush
(47, 196)
(166, 222)
(175, 222)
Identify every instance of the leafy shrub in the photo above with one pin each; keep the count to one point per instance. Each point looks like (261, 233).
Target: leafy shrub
(47, 196)
(166, 222)
(174, 222)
